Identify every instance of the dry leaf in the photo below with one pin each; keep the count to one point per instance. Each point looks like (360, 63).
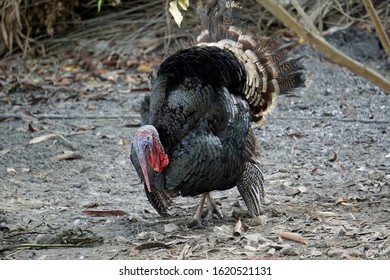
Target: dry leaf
(223, 232)
(152, 245)
(293, 236)
(251, 248)
(105, 213)
(302, 189)
(295, 135)
(65, 82)
(184, 253)
(258, 221)
(333, 158)
(4, 151)
(237, 228)
(131, 62)
(70, 68)
(343, 201)
(68, 156)
(324, 214)
(255, 237)
(133, 79)
(144, 68)
(112, 75)
(11, 170)
(171, 227)
(27, 116)
(340, 200)
(42, 138)
(31, 128)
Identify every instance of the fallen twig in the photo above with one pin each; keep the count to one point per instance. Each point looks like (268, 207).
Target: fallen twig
(378, 25)
(39, 246)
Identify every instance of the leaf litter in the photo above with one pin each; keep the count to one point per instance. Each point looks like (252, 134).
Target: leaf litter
(337, 203)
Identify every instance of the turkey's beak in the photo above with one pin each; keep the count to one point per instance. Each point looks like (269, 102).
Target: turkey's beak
(142, 161)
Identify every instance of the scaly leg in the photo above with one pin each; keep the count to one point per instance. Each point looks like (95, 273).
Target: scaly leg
(212, 207)
(198, 213)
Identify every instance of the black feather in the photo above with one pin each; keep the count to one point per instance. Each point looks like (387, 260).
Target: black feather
(202, 102)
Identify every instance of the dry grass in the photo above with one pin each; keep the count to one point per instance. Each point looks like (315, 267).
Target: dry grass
(23, 22)
(26, 24)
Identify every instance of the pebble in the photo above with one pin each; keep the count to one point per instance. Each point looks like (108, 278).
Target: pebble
(334, 253)
(316, 253)
(168, 228)
(48, 239)
(289, 251)
(271, 252)
(122, 239)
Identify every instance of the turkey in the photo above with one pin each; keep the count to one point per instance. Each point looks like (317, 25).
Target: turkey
(195, 135)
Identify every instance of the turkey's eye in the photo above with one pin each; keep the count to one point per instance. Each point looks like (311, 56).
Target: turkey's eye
(147, 146)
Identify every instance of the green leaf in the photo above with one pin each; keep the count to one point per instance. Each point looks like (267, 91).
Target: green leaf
(184, 4)
(99, 5)
(174, 10)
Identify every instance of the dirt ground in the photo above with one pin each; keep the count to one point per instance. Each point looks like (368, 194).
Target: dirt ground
(325, 156)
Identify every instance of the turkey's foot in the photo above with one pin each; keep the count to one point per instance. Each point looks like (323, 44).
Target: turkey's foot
(196, 220)
(212, 210)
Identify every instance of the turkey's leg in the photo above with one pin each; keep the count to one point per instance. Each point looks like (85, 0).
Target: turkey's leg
(212, 207)
(198, 214)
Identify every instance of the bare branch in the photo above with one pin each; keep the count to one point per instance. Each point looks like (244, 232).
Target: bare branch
(378, 25)
(322, 45)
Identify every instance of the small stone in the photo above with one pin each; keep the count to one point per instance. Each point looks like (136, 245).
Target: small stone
(254, 237)
(223, 232)
(356, 253)
(316, 253)
(341, 232)
(48, 239)
(250, 248)
(11, 170)
(170, 227)
(289, 251)
(271, 251)
(122, 239)
(258, 221)
(335, 253)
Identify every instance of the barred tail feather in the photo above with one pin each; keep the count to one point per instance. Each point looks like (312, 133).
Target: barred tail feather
(268, 69)
(251, 189)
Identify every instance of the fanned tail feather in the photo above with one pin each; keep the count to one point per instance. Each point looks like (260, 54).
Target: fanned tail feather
(268, 69)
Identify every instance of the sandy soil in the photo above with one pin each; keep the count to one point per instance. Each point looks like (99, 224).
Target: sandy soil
(325, 156)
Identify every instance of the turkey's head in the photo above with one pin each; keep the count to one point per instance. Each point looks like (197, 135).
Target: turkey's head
(149, 150)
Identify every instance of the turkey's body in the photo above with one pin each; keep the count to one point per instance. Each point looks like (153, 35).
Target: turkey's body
(200, 109)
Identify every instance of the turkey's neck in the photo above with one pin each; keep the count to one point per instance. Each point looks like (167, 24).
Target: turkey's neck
(150, 151)
(157, 157)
